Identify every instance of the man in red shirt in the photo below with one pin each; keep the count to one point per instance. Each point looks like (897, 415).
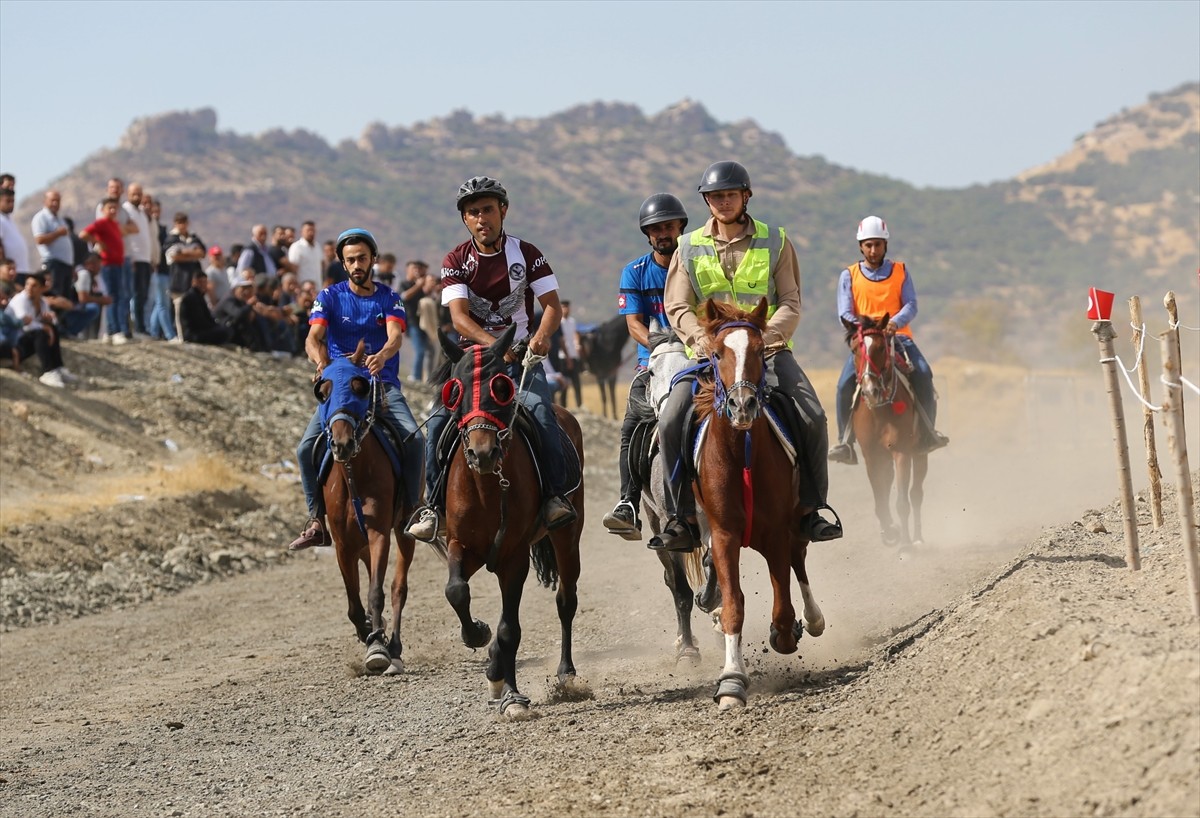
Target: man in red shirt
(109, 241)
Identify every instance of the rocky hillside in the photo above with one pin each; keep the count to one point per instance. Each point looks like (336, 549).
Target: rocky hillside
(1120, 209)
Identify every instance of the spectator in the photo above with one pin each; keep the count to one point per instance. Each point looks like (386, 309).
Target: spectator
(231, 260)
(8, 274)
(10, 328)
(89, 289)
(431, 319)
(271, 318)
(105, 233)
(279, 250)
(39, 333)
(218, 281)
(8, 181)
(570, 354)
(123, 299)
(53, 239)
(155, 215)
(335, 272)
(385, 269)
(138, 247)
(15, 247)
(236, 313)
(301, 308)
(196, 321)
(305, 255)
(411, 293)
(185, 252)
(256, 257)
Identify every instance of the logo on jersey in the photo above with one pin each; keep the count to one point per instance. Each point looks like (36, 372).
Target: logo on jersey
(516, 272)
(621, 301)
(379, 320)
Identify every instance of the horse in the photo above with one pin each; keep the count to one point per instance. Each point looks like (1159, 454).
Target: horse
(681, 572)
(885, 424)
(493, 518)
(364, 504)
(600, 351)
(742, 471)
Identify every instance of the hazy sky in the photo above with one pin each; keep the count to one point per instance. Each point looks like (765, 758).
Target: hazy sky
(937, 94)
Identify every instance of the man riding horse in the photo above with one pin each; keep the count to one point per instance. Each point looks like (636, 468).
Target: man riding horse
(872, 288)
(490, 283)
(359, 310)
(736, 258)
(662, 220)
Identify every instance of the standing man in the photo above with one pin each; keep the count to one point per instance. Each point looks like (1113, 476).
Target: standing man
(305, 254)
(109, 241)
(123, 296)
(185, 254)
(14, 247)
(662, 220)
(490, 283)
(354, 311)
(872, 287)
(137, 254)
(411, 293)
(570, 357)
(739, 259)
(279, 250)
(53, 239)
(256, 256)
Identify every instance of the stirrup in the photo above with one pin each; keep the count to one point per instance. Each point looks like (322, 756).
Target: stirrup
(820, 529)
(679, 535)
(314, 534)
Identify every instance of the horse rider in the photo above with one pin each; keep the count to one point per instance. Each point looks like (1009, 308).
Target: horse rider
(490, 282)
(737, 258)
(662, 220)
(872, 287)
(359, 309)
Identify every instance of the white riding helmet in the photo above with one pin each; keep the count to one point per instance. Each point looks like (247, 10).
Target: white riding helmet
(872, 227)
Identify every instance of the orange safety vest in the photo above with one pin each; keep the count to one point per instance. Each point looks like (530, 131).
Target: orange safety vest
(874, 298)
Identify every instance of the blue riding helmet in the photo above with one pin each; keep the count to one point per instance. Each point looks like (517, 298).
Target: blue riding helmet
(359, 235)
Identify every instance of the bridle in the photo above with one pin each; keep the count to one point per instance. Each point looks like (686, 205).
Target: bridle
(867, 370)
(721, 392)
(360, 427)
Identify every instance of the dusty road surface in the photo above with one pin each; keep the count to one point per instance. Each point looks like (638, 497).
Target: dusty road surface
(161, 655)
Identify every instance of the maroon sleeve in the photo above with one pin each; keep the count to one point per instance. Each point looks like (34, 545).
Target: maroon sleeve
(454, 268)
(539, 267)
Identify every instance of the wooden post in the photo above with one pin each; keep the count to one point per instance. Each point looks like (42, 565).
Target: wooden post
(1177, 437)
(1135, 312)
(1104, 334)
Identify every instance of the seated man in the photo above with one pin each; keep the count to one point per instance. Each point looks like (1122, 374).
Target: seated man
(489, 283)
(873, 287)
(39, 334)
(196, 319)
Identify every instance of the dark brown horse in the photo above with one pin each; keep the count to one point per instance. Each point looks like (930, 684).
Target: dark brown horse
(364, 506)
(749, 490)
(886, 425)
(493, 518)
(600, 350)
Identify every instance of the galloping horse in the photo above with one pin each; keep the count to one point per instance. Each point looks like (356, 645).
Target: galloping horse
(364, 503)
(493, 516)
(748, 488)
(600, 351)
(885, 424)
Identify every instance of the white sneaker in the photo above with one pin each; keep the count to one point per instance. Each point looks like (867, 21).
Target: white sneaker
(67, 375)
(118, 340)
(52, 378)
(106, 339)
(176, 340)
(425, 528)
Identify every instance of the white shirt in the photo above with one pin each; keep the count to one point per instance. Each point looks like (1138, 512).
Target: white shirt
(308, 259)
(570, 337)
(137, 245)
(15, 246)
(22, 307)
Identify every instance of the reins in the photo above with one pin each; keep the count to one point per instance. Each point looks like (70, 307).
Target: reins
(868, 368)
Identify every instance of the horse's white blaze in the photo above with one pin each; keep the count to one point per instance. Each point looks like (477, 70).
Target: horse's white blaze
(739, 342)
(814, 620)
(733, 654)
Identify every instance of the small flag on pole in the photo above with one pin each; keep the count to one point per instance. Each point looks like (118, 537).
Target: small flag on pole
(1099, 304)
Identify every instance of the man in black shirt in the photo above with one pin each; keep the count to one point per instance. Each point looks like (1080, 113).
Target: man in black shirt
(199, 326)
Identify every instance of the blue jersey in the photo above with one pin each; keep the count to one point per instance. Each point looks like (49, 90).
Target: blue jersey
(349, 318)
(642, 283)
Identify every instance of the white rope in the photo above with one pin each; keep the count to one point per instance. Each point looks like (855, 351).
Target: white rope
(1189, 384)
(1136, 392)
(1177, 325)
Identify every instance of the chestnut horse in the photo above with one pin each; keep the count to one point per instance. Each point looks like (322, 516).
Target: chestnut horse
(885, 424)
(364, 503)
(749, 489)
(493, 517)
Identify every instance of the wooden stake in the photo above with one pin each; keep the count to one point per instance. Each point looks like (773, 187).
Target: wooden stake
(1104, 334)
(1135, 312)
(1177, 437)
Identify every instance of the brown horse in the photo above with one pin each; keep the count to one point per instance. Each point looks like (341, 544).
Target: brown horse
(493, 517)
(363, 506)
(749, 489)
(886, 425)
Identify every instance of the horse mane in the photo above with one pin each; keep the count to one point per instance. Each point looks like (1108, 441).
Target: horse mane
(867, 323)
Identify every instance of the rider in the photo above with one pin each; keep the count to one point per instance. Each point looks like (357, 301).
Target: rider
(872, 287)
(662, 220)
(344, 314)
(738, 258)
(489, 283)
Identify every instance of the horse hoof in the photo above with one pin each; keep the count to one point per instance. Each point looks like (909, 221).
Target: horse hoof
(890, 536)
(689, 654)
(568, 688)
(378, 659)
(816, 627)
(727, 703)
(514, 706)
(797, 632)
(482, 636)
(396, 668)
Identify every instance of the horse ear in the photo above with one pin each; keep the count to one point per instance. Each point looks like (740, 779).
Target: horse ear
(760, 312)
(501, 344)
(710, 309)
(359, 351)
(452, 350)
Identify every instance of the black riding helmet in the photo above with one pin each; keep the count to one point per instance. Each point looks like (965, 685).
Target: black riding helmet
(724, 176)
(661, 207)
(477, 187)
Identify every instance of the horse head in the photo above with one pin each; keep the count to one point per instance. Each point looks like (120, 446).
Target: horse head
(739, 361)
(871, 345)
(344, 391)
(481, 398)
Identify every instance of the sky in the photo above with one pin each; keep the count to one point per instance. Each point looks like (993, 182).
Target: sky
(937, 94)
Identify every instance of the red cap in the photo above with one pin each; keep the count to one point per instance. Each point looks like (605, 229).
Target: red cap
(215, 250)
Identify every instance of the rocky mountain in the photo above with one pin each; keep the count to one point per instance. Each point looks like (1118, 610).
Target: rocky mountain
(998, 265)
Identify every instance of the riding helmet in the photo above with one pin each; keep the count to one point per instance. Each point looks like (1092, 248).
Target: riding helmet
(724, 176)
(873, 227)
(661, 207)
(359, 235)
(479, 186)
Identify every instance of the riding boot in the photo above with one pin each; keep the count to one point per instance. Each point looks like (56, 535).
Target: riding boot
(820, 529)
(679, 535)
(314, 534)
(558, 512)
(623, 520)
(843, 453)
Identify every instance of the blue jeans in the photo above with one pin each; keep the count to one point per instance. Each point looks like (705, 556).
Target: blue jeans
(118, 285)
(536, 398)
(79, 318)
(921, 379)
(412, 450)
(162, 325)
(420, 346)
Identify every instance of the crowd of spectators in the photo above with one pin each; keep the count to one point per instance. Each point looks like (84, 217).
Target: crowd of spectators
(126, 275)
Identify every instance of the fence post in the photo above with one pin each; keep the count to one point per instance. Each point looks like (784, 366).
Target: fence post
(1135, 312)
(1104, 334)
(1177, 437)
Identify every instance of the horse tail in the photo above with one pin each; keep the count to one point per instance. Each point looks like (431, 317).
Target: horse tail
(544, 562)
(693, 567)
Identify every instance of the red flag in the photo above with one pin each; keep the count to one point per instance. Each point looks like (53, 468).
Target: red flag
(1099, 304)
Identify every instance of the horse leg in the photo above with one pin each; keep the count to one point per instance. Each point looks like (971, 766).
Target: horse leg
(404, 554)
(675, 578)
(502, 655)
(903, 464)
(920, 465)
(475, 634)
(708, 598)
(879, 470)
(785, 630)
(378, 659)
(814, 620)
(731, 689)
(347, 557)
(566, 554)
